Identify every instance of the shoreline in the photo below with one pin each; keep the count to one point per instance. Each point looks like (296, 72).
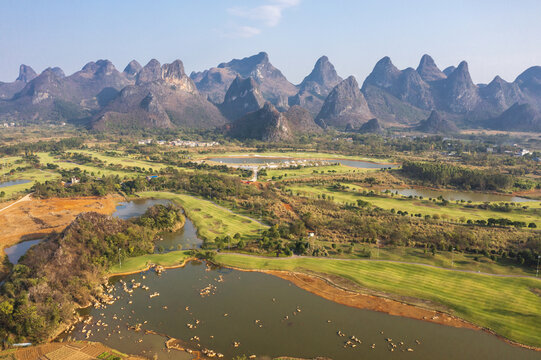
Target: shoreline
(324, 287)
(327, 289)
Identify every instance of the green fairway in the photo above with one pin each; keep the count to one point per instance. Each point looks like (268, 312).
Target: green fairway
(141, 262)
(210, 219)
(452, 212)
(124, 160)
(45, 158)
(506, 305)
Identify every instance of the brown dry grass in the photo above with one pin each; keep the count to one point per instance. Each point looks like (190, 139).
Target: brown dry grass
(37, 218)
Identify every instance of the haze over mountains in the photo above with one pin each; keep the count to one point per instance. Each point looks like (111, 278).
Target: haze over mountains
(250, 97)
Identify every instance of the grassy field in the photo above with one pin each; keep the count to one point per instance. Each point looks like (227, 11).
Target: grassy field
(134, 264)
(32, 174)
(507, 306)
(45, 158)
(444, 259)
(124, 160)
(452, 212)
(210, 219)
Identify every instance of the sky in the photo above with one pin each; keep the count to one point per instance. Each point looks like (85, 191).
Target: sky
(495, 37)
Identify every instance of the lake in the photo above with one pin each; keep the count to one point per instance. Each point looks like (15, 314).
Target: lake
(13, 182)
(261, 312)
(258, 160)
(453, 195)
(15, 252)
(185, 238)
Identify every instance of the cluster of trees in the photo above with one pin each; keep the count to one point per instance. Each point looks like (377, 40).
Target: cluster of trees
(162, 217)
(87, 185)
(42, 146)
(65, 271)
(443, 174)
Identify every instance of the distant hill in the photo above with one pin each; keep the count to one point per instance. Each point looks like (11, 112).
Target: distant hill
(315, 87)
(519, 117)
(372, 126)
(437, 124)
(344, 106)
(268, 124)
(273, 84)
(163, 96)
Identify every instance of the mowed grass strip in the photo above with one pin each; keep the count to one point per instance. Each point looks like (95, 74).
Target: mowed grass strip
(451, 211)
(212, 220)
(508, 306)
(138, 263)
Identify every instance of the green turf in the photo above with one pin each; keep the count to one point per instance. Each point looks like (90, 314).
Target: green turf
(443, 259)
(124, 160)
(210, 219)
(141, 262)
(452, 212)
(506, 305)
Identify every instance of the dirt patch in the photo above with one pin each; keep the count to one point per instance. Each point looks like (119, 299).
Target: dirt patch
(341, 293)
(536, 291)
(37, 218)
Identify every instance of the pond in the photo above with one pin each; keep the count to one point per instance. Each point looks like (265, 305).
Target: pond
(453, 195)
(268, 317)
(15, 252)
(14, 182)
(185, 238)
(246, 160)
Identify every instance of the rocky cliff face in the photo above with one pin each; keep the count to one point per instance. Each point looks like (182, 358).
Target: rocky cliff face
(242, 97)
(529, 83)
(499, 95)
(428, 70)
(132, 68)
(458, 94)
(26, 74)
(316, 86)
(273, 84)
(344, 106)
(163, 97)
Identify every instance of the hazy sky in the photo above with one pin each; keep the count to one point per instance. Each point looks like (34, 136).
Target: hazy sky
(495, 36)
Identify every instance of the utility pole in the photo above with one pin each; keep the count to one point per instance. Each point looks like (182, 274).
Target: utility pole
(119, 261)
(453, 257)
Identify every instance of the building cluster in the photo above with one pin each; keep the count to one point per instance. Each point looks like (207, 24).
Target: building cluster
(178, 142)
(6, 125)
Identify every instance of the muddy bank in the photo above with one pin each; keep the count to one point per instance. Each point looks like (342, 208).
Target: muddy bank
(328, 289)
